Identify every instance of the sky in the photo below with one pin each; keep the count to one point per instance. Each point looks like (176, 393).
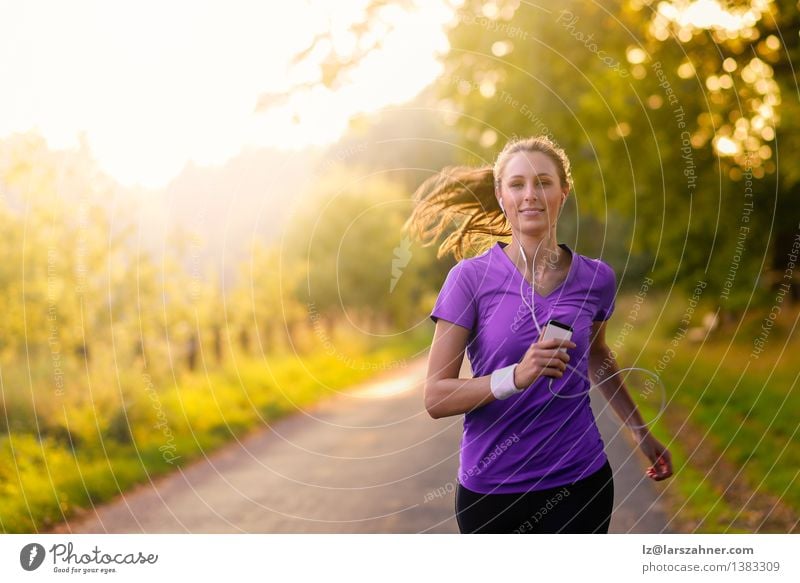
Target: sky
(154, 85)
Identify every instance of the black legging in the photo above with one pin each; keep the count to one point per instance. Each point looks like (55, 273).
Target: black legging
(582, 507)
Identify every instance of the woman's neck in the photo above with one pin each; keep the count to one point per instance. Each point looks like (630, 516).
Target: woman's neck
(548, 255)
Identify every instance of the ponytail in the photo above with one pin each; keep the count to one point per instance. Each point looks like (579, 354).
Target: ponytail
(462, 195)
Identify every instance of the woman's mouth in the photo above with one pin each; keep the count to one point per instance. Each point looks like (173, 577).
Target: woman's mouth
(531, 212)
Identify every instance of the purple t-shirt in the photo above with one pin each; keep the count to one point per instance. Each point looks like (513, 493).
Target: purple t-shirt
(531, 440)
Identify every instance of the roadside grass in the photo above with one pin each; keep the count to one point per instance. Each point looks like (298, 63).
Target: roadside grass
(731, 417)
(117, 428)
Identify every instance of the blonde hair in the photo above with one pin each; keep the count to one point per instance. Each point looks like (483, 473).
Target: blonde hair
(466, 195)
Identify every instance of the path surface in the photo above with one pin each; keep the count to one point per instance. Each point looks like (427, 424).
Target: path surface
(367, 461)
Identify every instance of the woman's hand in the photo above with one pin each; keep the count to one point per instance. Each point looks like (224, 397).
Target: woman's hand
(657, 454)
(544, 358)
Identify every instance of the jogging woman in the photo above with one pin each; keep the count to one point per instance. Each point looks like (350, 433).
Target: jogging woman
(532, 459)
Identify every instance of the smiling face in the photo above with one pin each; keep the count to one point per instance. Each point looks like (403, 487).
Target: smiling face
(532, 192)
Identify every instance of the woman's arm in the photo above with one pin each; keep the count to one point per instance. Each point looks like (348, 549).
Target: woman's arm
(445, 393)
(603, 365)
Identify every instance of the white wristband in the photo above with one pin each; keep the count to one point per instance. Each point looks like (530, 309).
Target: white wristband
(502, 382)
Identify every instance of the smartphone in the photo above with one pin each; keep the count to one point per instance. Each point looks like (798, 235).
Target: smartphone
(556, 329)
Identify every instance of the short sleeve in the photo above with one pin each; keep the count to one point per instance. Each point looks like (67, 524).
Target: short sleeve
(456, 300)
(608, 291)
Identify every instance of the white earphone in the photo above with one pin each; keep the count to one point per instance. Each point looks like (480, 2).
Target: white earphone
(574, 369)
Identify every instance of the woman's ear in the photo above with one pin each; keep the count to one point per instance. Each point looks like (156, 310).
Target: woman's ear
(565, 193)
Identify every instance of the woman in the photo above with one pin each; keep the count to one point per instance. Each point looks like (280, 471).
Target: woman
(532, 459)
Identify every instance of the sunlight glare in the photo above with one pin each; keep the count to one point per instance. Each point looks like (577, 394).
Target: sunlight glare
(155, 85)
